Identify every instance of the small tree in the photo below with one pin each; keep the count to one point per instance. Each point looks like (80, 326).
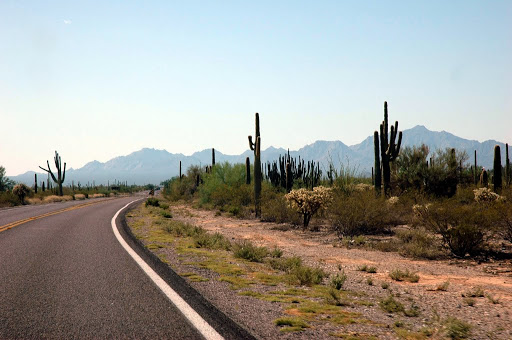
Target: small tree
(21, 190)
(307, 202)
(5, 182)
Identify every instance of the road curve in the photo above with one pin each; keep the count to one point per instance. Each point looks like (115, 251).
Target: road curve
(65, 275)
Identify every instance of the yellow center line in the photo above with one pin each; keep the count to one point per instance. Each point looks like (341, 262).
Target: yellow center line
(17, 223)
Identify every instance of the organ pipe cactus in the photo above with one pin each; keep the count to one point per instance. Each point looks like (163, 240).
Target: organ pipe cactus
(497, 180)
(256, 147)
(389, 149)
(61, 173)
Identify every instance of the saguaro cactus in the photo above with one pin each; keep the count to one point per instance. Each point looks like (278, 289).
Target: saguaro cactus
(476, 173)
(35, 183)
(213, 156)
(389, 149)
(247, 171)
(180, 170)
(256, 147)
(378, 170)
(60, 173)
(507, 167)
(497, 180)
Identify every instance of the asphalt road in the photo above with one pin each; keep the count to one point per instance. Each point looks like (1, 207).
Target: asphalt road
(65, 275)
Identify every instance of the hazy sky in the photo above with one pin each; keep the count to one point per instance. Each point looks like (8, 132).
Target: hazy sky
(99, 79)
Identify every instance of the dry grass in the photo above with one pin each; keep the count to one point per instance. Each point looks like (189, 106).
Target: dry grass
(35, 200)
(80, 197)
(54, 198)
(96, 195)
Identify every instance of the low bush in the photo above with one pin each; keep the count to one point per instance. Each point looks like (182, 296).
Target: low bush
(399, 275)
(285, 264)
(306, 276)
(419, 243)
(248, 251)
(337, 281)
(211, 241)
(457, 329)
(391, 305)
(275, 208)
(151, 201)
(465, 229)
(360, 213)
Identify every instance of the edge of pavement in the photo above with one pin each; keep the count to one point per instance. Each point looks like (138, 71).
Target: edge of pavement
(228, 328)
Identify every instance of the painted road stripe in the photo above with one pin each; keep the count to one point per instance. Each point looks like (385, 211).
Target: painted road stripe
(17, 223)
(195, 319)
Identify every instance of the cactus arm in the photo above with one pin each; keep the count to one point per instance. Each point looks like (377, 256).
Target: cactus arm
(64, 173)
(251, 144)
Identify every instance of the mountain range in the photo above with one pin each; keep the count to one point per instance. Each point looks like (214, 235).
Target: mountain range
(153, 166)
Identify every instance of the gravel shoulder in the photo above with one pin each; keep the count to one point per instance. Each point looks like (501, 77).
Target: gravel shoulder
(489, 316)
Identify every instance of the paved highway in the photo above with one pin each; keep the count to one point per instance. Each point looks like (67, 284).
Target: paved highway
(64, 274)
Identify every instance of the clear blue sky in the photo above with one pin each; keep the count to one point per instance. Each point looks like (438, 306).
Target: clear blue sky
(99, 79)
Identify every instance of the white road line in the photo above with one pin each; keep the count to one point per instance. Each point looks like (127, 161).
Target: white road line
(195, 319)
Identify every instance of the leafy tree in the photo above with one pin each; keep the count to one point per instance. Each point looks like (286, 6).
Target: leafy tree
(5, 182)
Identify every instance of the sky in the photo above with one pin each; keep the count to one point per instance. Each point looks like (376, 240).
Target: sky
(99, 79)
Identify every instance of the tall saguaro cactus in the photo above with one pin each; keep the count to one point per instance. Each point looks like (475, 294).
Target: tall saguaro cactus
(378, 170)
(389, 149)
(35, 183)
(256, 147)
(213, 157)
(497, 169)
(61, 174)
(507, 167)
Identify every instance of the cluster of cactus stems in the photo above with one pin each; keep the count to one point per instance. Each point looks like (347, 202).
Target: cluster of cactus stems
(256, 147)
(61, 174)
(389, 150)
(287, 170)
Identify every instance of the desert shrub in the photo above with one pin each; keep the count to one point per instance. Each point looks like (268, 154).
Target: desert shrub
(391, 305)
(285, 264)
(151, 201)
(79, 197)
(418, 243)
(338, 280)
(248, 251)
(183, 189)
(306, 276)
(465, 229)
(276, 253)
(309, 202)
(399, 275)
(211, 241)
(225, 188)
(275, 208)
(21, 190)
(411, 167)
(457, 329)
(55, 198)
(360, 212)
(503, 213)
(180, 229)
(7, 198)
(165, 214)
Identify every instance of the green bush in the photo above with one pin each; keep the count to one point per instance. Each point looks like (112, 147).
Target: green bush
(338, 280)
(306, 276)
(211, 241)
(457, 329)
(248, 251)
(465, 229)
(154, 202)
(361, 212)
(399, 275)
(418, 243)
(285, 264)
(275, 208)
(391, 305)
(225, 188)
